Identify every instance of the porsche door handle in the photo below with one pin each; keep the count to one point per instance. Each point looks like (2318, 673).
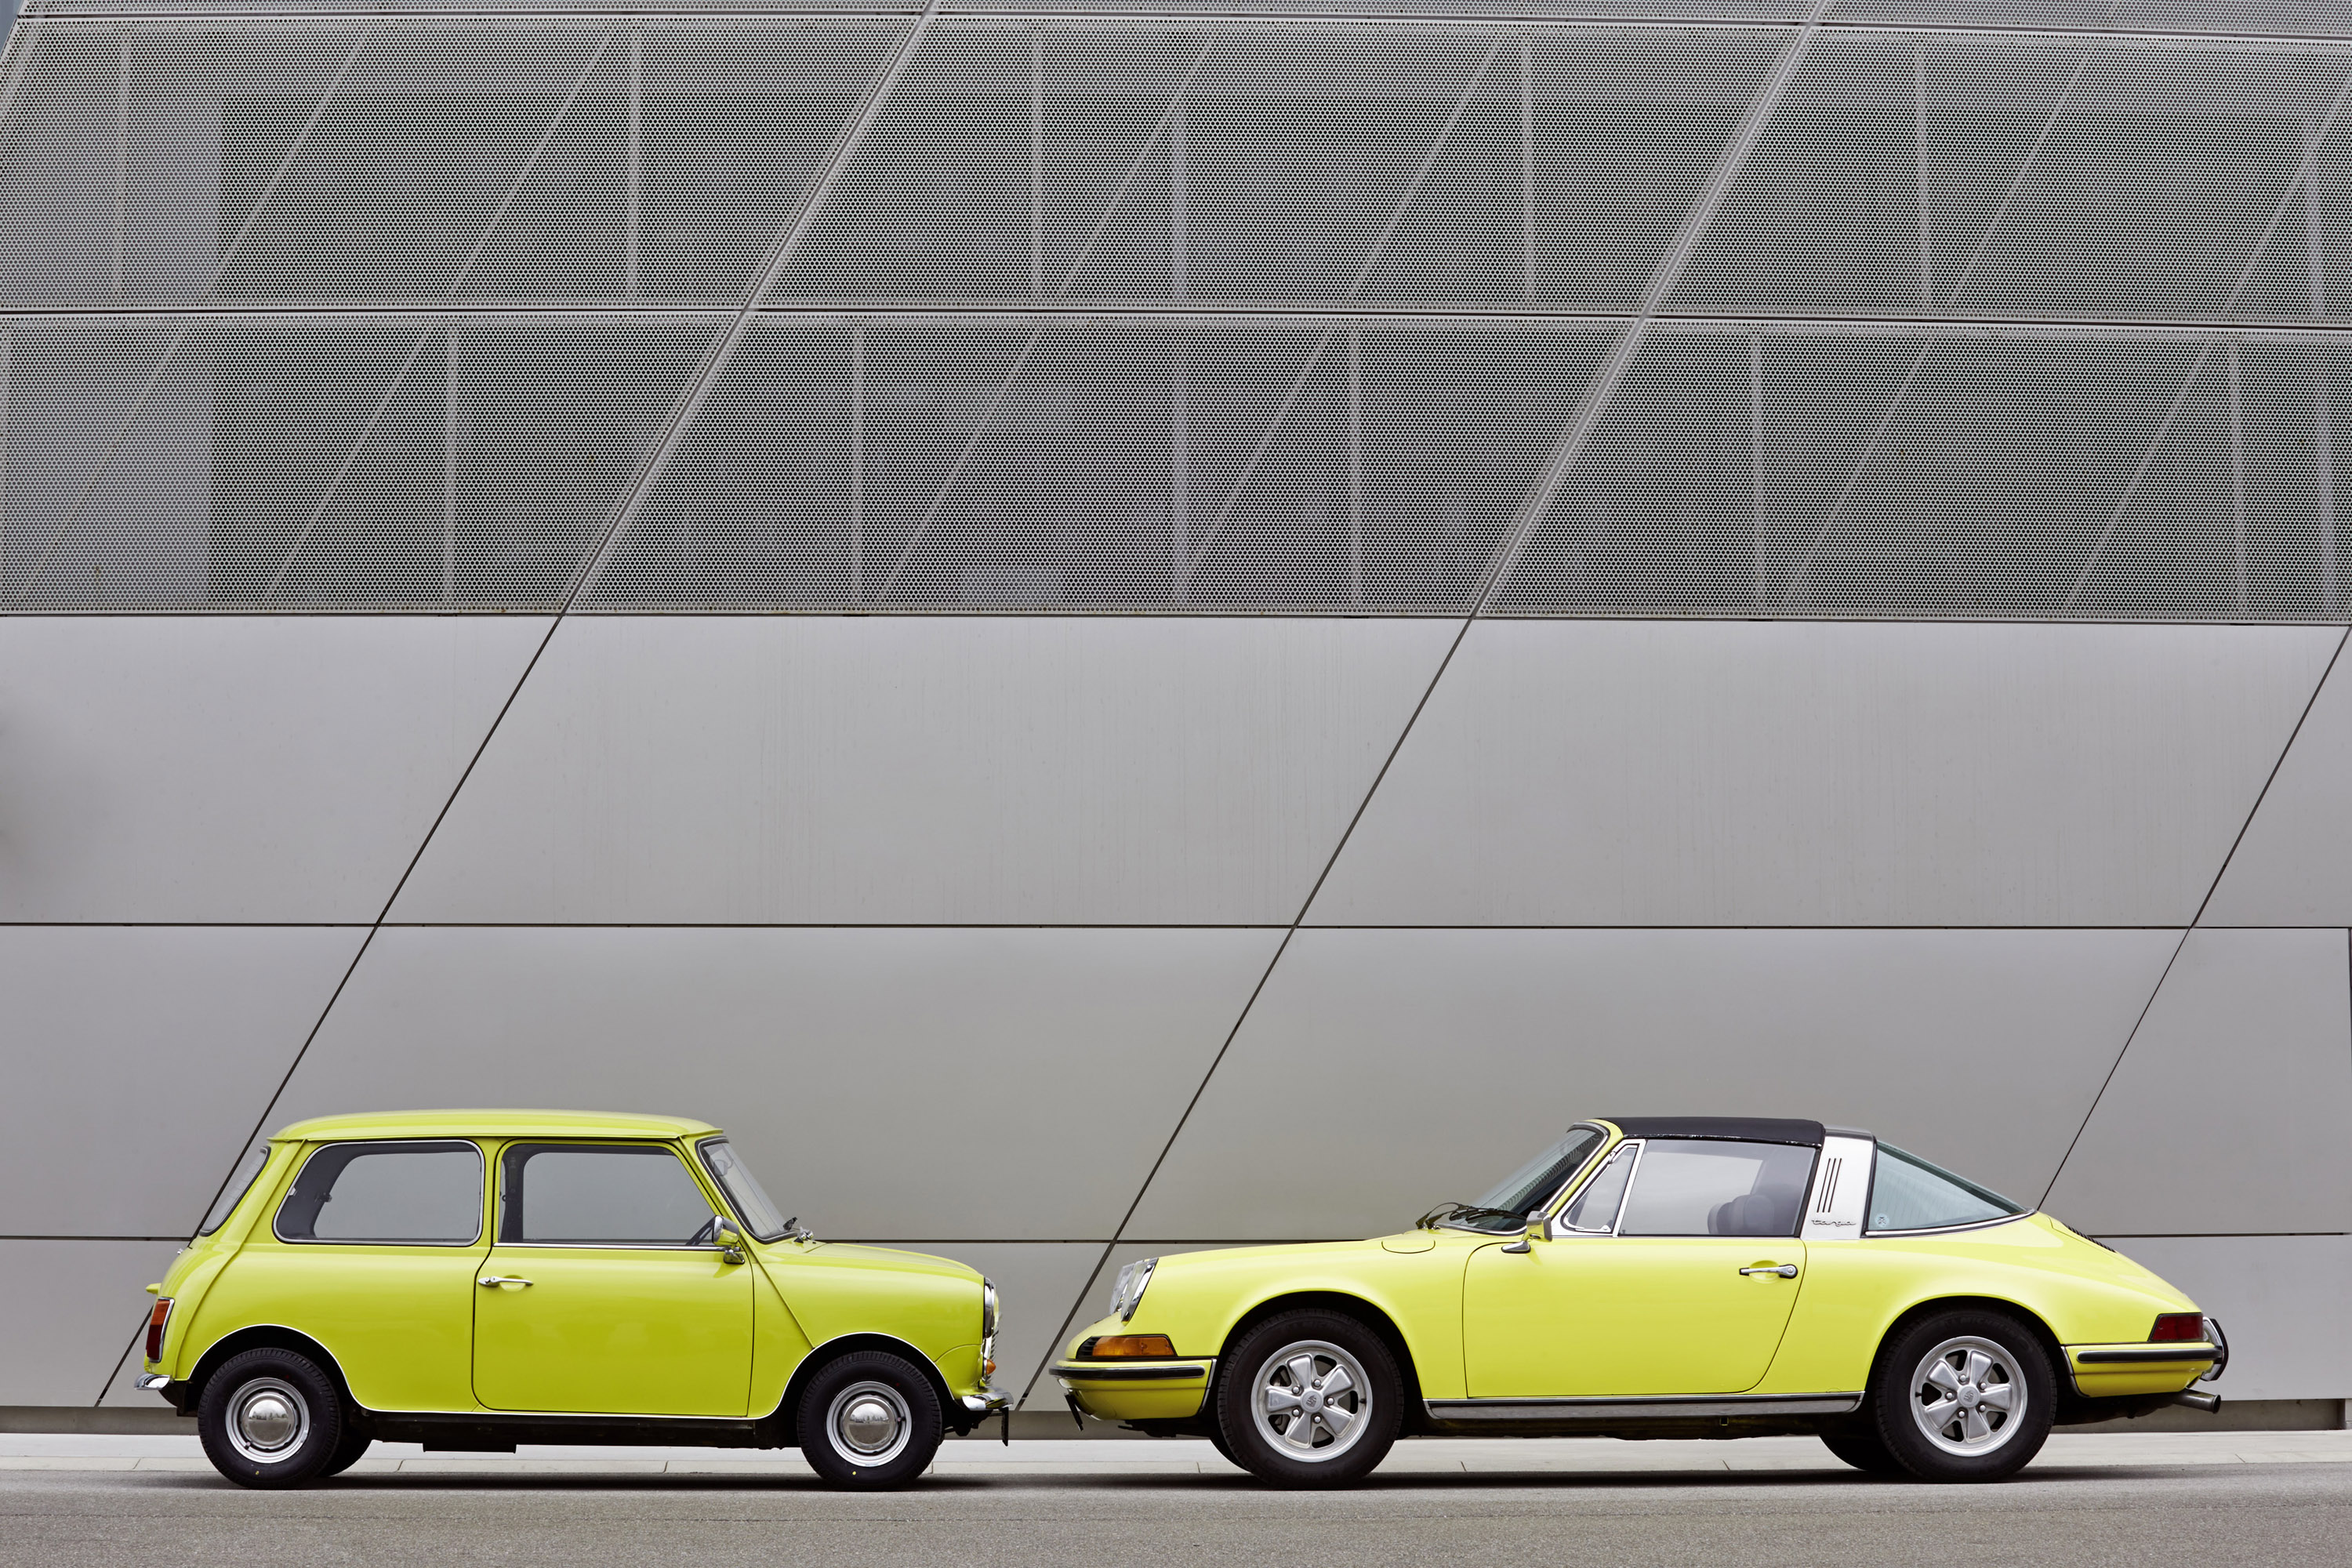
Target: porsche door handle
(1785, 1270)
(490, 1280)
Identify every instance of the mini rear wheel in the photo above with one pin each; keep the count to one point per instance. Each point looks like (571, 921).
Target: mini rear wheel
(270, 1418)
(1964, 1396)
(1309, 1399)
(869, 1421)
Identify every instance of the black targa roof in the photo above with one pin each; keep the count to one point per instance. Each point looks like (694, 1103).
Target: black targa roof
(1745, 1129)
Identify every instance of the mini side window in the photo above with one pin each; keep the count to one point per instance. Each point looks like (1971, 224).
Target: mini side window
(389, 1194)
(599, 1194)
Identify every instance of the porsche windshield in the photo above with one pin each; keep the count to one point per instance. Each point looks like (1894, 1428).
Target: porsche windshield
(1505, 1207)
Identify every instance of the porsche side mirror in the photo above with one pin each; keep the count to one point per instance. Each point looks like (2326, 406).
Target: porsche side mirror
(1538, 1229)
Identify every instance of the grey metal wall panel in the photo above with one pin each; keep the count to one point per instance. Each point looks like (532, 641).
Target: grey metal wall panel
(1433, 1061)
(2294, 867)
(176, 1036)
(1821, 774)
(1036, 1281)
(1009, 1085)
(2248, 1047)
(270, 770)
(947, 770)
(69, 1310)
(2280, 1299)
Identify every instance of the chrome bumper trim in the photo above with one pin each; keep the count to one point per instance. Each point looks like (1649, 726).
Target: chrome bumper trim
(152, 1381)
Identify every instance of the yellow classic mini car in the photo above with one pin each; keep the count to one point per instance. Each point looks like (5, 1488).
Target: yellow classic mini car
(472, 1279)
(1659, 1278)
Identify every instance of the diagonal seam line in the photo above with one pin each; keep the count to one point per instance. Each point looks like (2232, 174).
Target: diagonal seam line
(861, 119)
(2260, 796)
(1706, 204)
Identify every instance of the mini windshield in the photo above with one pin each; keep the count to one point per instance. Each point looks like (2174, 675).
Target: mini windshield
(1506, 1204)
(753, 1205)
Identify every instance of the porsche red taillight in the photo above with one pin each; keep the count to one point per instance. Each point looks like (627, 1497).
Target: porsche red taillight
(2178, 1328)
(157, 1316)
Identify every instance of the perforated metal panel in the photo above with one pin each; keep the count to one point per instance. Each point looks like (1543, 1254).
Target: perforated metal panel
(1889, 307)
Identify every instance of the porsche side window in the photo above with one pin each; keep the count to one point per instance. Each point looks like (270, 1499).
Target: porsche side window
(1908, 1193)
(410, 1194)
(1713, 1188)
(1594, 1211)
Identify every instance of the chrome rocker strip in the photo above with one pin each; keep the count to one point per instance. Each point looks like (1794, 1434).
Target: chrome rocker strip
(1670, 1407)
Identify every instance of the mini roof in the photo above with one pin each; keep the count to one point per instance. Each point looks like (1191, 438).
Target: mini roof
(494, 1125)
(1747, 1129)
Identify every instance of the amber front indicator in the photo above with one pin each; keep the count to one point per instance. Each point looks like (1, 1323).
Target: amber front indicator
(157, 1316)
(1143, 1346)
(2178, 1328)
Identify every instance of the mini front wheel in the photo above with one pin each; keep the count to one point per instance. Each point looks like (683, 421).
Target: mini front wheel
(270, 1418)
(1964, 1396)
(869, 1421)
(1309, 1399)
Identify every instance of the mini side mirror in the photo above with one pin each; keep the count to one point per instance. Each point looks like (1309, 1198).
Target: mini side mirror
(727, 1239)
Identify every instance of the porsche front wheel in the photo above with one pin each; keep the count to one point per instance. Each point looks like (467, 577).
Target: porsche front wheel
(1309, 1399)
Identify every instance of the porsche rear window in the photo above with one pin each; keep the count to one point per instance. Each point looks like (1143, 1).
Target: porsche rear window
(1908, 1193)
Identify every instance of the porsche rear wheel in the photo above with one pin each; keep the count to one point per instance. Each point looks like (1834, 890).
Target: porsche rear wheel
(1309, 1399)
(1964, 1396)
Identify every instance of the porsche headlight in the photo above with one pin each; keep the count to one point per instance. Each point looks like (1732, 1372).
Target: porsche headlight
(1127, 1295)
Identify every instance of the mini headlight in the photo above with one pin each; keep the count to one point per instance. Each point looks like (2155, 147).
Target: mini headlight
(987, 1309)
(1127, 1295)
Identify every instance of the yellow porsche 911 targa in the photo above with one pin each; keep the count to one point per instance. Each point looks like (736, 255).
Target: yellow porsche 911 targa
(1654, 1277)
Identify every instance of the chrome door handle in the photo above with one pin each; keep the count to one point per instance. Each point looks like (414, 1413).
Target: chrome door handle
(489, 1279)
(1785, 1270)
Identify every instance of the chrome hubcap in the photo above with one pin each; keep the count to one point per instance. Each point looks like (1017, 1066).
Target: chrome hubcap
(869, 1422)
(267, 1420)
(1966, 1396)
(1311, 1401)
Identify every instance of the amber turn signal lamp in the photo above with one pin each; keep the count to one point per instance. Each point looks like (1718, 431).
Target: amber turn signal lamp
(2178, 1328)
(1133, 1346)
(157, 1316)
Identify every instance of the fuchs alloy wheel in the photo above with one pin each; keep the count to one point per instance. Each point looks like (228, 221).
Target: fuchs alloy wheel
(270, 1418)
(1862, 1448)
(870, 1420)
(1964, 1396)
(1309, 1399)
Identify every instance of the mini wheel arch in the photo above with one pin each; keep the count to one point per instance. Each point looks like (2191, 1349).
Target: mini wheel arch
(268, 1336)
(1416, 1419)
(785, 1418)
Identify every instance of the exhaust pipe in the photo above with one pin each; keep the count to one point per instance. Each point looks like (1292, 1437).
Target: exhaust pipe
(2207, 1403)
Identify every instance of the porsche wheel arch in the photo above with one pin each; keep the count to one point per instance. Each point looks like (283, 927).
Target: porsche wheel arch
(1365, 1312)
(266, 1336)
(786, 1414)
(2024, 1317)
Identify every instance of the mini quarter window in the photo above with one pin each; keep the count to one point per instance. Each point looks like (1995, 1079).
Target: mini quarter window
(417, 1194)
(241, 1181)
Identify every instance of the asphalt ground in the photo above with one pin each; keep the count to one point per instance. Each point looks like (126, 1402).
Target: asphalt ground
(2267, 1499)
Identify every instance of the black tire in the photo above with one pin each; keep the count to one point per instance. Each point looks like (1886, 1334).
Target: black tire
(1327, 1342)
(1903, 1397)
(349, 1452)
(270, 1418)
(869, 1421)
(1217, 1441)
(1862, 1448)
